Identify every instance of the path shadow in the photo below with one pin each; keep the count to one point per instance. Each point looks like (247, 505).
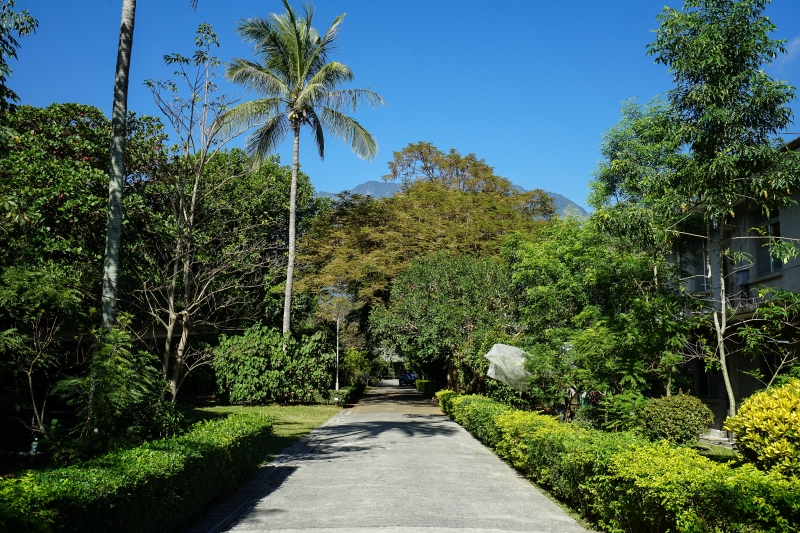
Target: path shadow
(226, 512)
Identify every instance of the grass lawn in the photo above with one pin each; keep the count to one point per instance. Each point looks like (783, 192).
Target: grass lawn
(292, 422)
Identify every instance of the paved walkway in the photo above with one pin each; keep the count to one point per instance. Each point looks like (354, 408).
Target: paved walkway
(392, 463)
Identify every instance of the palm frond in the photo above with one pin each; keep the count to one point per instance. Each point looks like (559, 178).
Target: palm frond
(266, 139)
(256, 78)
(249, 114)
(317, 132)
(350, 131)
(332, 74)
(350, 99)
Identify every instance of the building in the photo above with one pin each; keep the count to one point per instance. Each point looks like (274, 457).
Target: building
(748, 231)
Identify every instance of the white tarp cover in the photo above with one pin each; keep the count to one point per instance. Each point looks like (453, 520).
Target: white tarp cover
(507, 364)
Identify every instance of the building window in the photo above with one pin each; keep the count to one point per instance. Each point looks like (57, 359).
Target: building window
(770, 229)
(700, 273)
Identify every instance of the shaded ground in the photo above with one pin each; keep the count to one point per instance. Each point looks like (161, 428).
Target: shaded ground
(393, 462)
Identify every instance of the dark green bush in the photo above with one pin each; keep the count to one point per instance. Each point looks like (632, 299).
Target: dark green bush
(426, 387)
(680, 419)
(255, 368)
(625, 483)
(343, 396)
(158, 487)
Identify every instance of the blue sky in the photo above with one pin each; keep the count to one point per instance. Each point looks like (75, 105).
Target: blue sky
(527, 85)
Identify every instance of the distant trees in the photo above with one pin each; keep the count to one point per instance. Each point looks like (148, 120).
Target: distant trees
(444, 312)
(300, 88)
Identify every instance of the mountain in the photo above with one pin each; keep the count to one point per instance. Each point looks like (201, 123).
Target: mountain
(379, 189)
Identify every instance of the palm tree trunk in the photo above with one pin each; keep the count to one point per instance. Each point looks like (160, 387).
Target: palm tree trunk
(287, 301)
(118, 126)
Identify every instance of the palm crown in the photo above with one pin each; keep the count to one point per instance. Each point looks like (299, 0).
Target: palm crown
(300, 88)
(300, 85)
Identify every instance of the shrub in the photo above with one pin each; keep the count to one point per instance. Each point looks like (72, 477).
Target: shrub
(255, 367)
(426, 387)
(659, 487)
(159, 486)
(119, 400)
(356, 366)
(561, 456)
(445, 398)
(767, 428)
(477, 415)
(627, 484)
(680, 419)
(345, 395)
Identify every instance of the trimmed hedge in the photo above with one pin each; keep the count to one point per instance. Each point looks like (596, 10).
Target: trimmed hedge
(157, 487)
(625, 483)
(426, 387)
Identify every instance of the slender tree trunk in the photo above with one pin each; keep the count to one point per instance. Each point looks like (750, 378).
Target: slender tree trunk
(720, 311)
(117, 168)
(287, 301)
(180, 357)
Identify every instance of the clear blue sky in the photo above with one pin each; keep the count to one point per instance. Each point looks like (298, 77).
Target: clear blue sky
(530, 86)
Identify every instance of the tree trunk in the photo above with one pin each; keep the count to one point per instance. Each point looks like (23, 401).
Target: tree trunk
(287, 301)
(180, 357)
(720, 312)
(117, 167)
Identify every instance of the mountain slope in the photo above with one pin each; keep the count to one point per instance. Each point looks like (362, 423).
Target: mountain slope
(380, 189)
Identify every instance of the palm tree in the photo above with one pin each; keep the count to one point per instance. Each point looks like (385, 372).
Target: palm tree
(118, 127)
(117, 167)
(299, 86)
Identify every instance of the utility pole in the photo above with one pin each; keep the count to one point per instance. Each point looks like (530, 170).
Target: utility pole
(337, 352)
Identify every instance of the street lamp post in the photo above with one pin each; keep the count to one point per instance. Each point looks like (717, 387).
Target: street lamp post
(337, 353)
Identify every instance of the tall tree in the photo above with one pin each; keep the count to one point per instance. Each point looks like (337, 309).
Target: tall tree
(117, 164)
(299, 85)
(727, 112)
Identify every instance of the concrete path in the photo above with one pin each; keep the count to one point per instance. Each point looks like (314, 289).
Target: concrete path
(395, 463)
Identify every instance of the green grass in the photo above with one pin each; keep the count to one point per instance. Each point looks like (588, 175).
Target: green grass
(292, 422)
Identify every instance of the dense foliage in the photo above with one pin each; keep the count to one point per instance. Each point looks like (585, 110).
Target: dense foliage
(598, 316)
(51, 245)
(157, 487)
(680, 419)
(766, 428)
(444, 313)
(363, 243)
(262, 366)
(624, 483)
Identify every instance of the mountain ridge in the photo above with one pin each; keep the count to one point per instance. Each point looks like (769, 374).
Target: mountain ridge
(380, 189)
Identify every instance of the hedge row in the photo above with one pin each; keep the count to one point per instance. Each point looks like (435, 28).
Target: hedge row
(426, 387)
(625, 483)
(341, 397)
(158, 487)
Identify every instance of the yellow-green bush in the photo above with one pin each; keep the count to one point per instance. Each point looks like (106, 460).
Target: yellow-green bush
(767, 429)
(445, 397)
(625, 483)
(477, 414)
